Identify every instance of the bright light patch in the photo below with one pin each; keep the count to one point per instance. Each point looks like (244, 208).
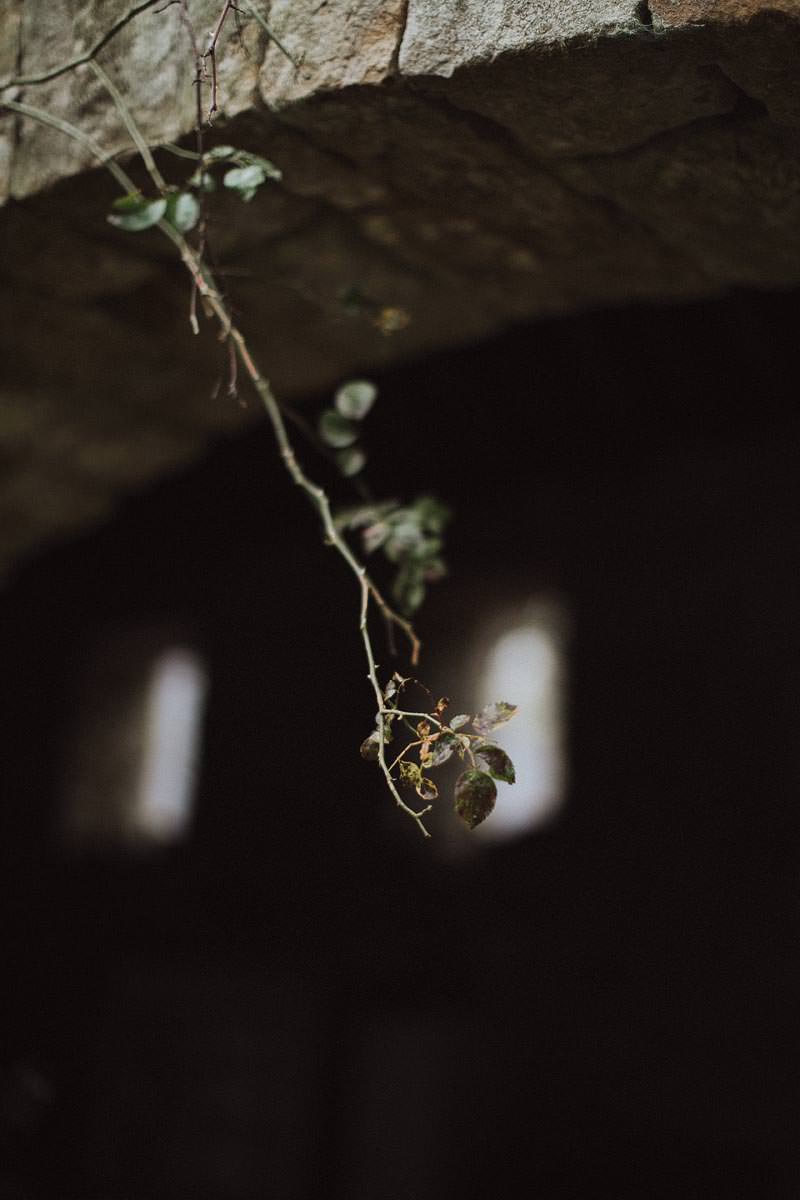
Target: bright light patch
(525, 666)
(173, 719)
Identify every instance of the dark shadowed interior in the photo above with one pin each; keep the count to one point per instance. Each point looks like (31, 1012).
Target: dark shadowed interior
(299, 997)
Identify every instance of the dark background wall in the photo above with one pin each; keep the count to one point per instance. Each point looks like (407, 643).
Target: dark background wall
(303, 998)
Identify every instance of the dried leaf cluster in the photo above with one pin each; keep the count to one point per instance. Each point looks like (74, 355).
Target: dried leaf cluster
(435, 739)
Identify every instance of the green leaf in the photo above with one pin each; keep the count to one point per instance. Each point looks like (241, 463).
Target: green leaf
(135, 212)
(475, 795)
(183, 211)
(492, 716)
(203, 180)
(496, 761)
(441, 749)
(246, 180)
(243, 158)
(431, 513)
(413, 598)
(408, 588)
(355, 399)
(218, 153)
(335, 430)
(457, 722)
(351, 461)
(405, 535)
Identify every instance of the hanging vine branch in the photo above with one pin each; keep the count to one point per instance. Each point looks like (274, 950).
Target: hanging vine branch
(206, 287)
(410, 536)
(88, 55)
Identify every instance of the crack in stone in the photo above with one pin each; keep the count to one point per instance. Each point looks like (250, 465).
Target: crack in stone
(745, 102)
(487, 128)
(15, 139)
(643, 14)
(394, 66)
(744, 106)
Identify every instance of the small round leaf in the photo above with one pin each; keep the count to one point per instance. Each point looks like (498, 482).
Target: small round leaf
(218, 153)
(135, 212)
(335, 430)
(183, 211)
(245, 180)
(351, 460)
(356, 398)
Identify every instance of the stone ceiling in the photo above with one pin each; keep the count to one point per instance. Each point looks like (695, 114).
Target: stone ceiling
(466, 163)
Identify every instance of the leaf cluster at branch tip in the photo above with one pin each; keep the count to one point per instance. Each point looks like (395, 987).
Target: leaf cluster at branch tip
(434, 742)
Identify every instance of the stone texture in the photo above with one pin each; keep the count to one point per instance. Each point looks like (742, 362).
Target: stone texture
(468, 162)
(443, 35)
(677, 13)
(336, 45)
(151, 63)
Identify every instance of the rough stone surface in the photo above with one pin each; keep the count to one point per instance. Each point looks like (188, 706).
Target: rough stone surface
(687, 12)
(442, 36)
(149, 60)
(336, 45)
(469, 162)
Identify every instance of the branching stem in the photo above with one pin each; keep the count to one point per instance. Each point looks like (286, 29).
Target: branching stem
(396, 712)
(77, 135)
(210, 52)
(87, 56)
(207, 289)
(133, 129)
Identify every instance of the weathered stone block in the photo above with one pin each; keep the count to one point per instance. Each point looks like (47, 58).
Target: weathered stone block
(467, 162)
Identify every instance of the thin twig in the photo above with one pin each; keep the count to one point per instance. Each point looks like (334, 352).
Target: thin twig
(131, 126)
(209, 292)
(87, 56)
(77, 135)
(210, 52)
(391, 618)
(186, 21)
(233, 371)
(395, 619)
(381, 720)
(253, 11)
(404, 751)
(397, 712)
(179, 151)
(194, 324)
(197, 59)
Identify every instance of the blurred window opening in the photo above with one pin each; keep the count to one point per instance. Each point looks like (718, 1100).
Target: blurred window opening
(134, 751)
(174, 712)
(525, 665)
